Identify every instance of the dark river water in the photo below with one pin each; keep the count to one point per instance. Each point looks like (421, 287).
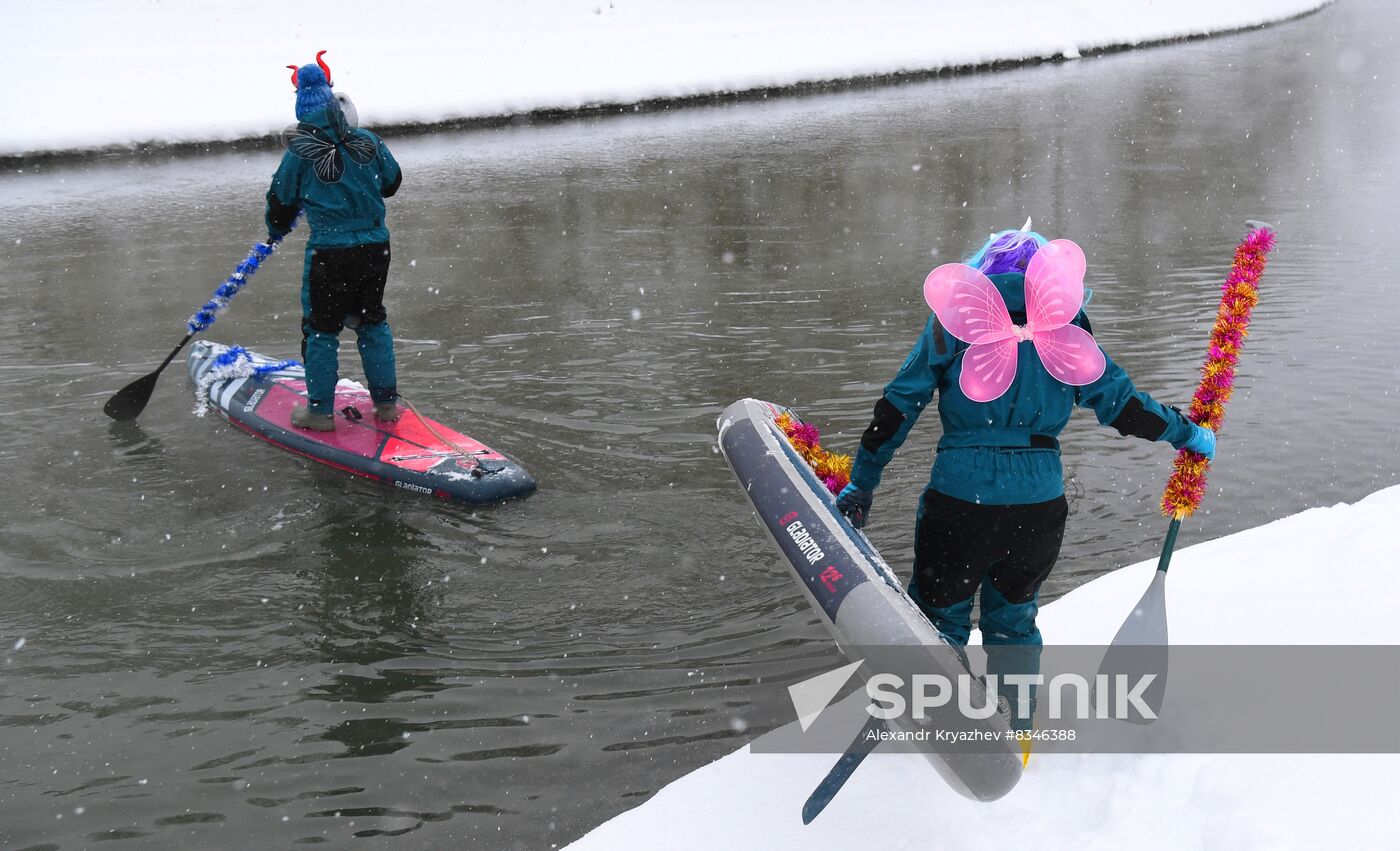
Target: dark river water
(207, 642)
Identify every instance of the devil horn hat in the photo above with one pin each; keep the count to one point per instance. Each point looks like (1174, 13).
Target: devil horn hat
(319, 61)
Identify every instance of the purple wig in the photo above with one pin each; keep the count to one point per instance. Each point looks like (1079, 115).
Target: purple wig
(1008, 251)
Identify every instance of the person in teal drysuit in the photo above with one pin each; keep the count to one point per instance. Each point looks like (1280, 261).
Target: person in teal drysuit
(339, 175)
(992, 516)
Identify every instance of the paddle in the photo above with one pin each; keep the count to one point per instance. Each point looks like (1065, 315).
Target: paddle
(128, 403)
(1140, 647)
(1145, 630)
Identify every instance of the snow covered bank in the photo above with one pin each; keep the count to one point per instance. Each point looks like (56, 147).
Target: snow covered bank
(85, 74)
(1243, 588)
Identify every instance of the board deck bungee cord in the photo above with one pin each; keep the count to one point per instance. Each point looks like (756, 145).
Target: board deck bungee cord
(413, 453)
(851, 587)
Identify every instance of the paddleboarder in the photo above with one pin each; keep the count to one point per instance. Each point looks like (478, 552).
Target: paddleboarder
(339, 175)
(992, 516)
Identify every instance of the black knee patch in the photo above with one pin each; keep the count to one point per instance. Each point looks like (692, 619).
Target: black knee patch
(887, 421)
(324, 324)
(941, 590)
(1019, 588)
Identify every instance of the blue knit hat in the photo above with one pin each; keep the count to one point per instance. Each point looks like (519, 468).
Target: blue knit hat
(313, 82)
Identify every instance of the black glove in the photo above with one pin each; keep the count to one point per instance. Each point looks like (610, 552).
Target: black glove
(854, 503)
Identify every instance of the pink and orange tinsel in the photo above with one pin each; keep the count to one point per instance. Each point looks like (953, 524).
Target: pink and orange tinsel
(834, 470)
(1240, 293)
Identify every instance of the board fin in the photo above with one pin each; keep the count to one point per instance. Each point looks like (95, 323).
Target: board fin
(865, 741)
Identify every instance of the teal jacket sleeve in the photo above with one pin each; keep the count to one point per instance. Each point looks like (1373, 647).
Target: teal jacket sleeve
(284, 196)
(904, 398)
(1120, 405)
(390, 175)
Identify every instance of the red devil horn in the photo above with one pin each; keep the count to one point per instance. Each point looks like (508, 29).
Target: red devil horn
(324, 67)
(294, 75)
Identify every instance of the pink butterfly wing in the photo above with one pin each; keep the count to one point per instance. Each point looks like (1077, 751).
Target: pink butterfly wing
(967, 304)
(1054, 285)
(987, 369)
(1070, 354)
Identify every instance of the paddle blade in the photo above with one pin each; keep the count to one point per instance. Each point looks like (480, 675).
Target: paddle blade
(1147, 625)
(128, 402)
(1140, 647)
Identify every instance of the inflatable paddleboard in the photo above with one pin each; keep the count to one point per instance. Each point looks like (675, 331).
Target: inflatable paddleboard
(846, 581)
(413, 453)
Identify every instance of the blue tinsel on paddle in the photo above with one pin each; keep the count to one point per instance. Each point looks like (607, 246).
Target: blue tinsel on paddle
(207, 314)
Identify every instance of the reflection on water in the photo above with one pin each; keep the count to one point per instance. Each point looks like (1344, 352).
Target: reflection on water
(220, 638)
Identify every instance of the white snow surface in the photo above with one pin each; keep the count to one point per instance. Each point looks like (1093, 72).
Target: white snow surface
(89, 74)
(1324, 576)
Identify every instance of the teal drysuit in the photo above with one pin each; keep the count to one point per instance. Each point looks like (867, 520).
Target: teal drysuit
(340, 176)
(997, 467)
